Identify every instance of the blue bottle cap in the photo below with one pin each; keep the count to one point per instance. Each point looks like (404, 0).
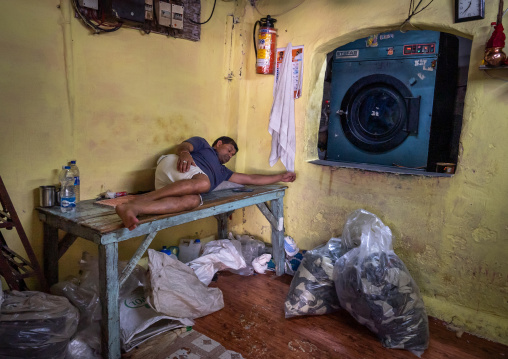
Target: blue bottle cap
(197, 241)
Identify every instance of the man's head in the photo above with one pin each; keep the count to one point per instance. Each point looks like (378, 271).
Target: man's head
(226, 148)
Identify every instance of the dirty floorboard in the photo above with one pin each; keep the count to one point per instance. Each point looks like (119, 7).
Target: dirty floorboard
(252, 323)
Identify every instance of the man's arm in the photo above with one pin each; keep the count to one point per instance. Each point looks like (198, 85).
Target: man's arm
(242, 178)
(185, 160)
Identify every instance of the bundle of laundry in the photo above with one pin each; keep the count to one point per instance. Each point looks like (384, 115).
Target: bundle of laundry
(217, 256)
(375, 287)
(312, 290)
(251, 248)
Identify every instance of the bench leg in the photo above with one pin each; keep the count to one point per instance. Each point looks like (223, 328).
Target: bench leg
(109, 288)
(222, 224)
(278, 235)
(50, 254)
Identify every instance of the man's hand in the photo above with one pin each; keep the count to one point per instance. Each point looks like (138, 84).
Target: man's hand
(185, 160)
(288, 177)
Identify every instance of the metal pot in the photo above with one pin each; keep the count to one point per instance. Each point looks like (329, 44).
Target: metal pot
(494, 56)
(47, 196)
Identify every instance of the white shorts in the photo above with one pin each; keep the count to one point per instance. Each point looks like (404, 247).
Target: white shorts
(167, 172)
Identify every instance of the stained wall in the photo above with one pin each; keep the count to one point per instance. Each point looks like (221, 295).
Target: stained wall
(115, 102)
(450, 232)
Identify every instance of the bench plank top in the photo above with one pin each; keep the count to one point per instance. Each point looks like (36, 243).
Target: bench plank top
(103, 219)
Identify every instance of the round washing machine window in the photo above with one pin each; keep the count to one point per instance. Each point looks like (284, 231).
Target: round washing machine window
(375, 115)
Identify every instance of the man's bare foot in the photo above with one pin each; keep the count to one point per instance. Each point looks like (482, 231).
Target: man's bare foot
(128, 216)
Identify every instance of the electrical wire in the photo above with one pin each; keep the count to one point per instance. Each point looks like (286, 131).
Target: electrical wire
(202, 23)
(88, 22)
(282, 13)
(414, 10)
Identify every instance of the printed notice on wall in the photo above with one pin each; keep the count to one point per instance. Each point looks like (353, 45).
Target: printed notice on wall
(297, 72)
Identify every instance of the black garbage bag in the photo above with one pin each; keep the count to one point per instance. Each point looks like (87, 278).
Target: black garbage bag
(36, 325)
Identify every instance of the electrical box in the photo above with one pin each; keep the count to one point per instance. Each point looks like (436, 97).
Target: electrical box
(124, 10)
(148, 9)
(177, 16)
(163, 10)
(91, 4)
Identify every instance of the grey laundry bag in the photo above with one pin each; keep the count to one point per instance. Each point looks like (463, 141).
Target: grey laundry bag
(312, 290)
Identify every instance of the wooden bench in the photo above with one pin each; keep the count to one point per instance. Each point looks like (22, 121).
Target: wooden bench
(102, 226)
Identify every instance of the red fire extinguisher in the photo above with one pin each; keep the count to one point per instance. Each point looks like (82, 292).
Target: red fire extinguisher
(265, 45)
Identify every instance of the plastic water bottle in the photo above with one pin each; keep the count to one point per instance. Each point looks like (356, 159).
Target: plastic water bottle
(67, 194)
(75, 172)
(165, 250)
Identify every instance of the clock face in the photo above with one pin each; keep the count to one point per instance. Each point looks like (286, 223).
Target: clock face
(466, 10)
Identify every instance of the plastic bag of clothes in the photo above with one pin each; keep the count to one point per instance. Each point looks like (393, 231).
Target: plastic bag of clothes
(375, 287)
(36, 325)
(83, 292)
(217, 255)
(251, 249)
(312, 290)
(138, 322)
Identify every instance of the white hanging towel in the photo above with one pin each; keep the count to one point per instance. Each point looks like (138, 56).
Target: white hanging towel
(282, 116)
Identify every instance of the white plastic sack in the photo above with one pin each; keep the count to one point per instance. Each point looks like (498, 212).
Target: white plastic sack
(175, 290)
(139, 322)
(217, 255)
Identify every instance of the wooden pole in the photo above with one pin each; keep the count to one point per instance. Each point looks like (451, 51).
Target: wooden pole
(500, 12)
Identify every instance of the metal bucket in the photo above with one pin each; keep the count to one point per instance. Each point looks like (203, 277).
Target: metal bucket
(47, 196)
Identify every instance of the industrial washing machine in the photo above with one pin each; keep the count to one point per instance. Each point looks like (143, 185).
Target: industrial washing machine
(392, 100)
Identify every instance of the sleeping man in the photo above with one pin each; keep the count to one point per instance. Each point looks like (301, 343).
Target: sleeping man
(181, 178)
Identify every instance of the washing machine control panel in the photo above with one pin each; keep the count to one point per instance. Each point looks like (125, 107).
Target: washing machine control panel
(417, 49)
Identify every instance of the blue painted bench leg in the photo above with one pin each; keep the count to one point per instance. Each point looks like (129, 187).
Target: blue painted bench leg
(278, 235)
(109, 288)
(222, 225)
(50, 254)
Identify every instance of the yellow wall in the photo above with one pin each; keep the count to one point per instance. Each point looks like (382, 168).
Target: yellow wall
(450, 232)
(115, 102)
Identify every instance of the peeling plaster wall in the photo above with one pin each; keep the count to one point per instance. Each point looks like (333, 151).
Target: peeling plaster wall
(450, 232)
(115, 102)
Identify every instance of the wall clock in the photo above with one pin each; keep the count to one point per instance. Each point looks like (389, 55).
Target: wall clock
(467, 10)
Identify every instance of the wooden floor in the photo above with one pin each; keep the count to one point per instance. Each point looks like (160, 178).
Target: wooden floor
(252, 323)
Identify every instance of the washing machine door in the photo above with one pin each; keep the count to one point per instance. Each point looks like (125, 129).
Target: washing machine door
(378, 113)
